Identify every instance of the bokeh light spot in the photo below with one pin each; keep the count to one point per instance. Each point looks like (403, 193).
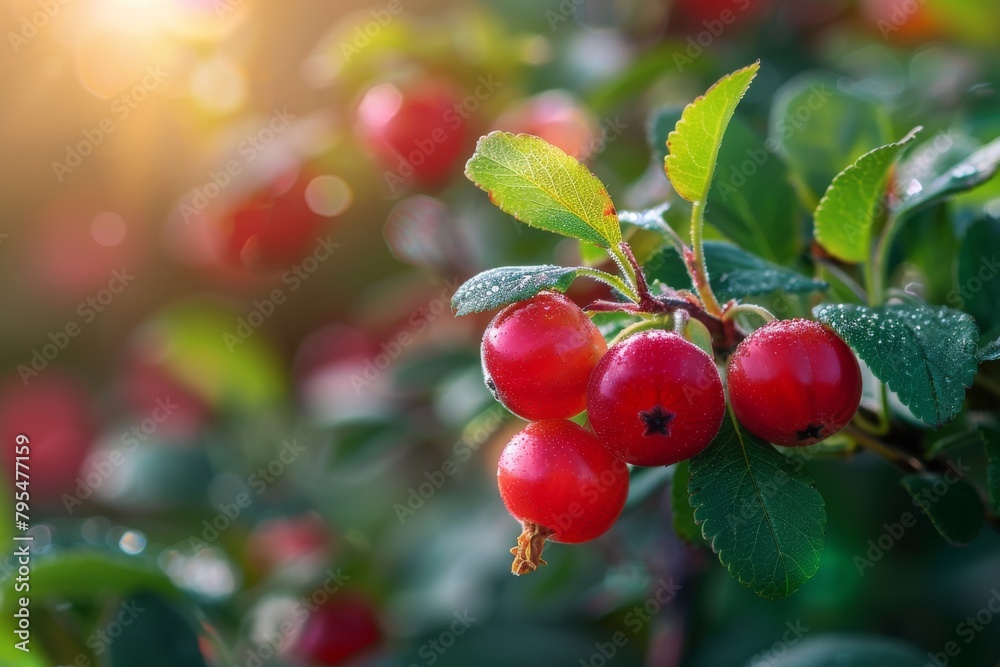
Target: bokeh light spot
(217, 85)
(108, 60)
(329, 195)
(108, 229)
(380, 104)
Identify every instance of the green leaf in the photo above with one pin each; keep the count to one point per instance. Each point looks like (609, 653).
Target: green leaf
(978, 290)
(612, 324)
(509, 284)
(544, 187)
(834, 650)
(156, 635)
(759, 510)
(845, 215)
(733, 273)
(85, 574)
(752, 201)
(935, 171)
(953, 506)
(694, 144)
(683, 514)
(990, 351)
(927, 355)
(818, 129)
(992, 447)
(957, 434)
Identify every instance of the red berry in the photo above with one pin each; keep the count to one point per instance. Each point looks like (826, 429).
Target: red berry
(411, 130)
(655, 399)
(538, 356)
(561, 484)
(794, 382)
(55, 412)
(273, 228)
(296, 542)
(338, 630)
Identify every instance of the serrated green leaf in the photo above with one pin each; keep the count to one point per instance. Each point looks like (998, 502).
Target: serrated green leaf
(694, 144)
(544, 187)
(990, 351)
(819, 128)
(992, 448)
(926, 354)
(920, 188)
(845, 215)
(978, 290)
(509, 284)
(953, 506)
(834, 650)
(683, 513)
(759, 510)
(733, 273)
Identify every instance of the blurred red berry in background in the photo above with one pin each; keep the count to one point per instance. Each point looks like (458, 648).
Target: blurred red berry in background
(273, 227)
(54, 411)
(341, 629)
(418, 133)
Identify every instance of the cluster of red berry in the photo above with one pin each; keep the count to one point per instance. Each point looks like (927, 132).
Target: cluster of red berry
(652, 399)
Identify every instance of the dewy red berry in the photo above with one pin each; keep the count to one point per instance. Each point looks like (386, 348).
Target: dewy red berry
(538, 356)
(655, 399)
(794, 382)
(562, 485)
